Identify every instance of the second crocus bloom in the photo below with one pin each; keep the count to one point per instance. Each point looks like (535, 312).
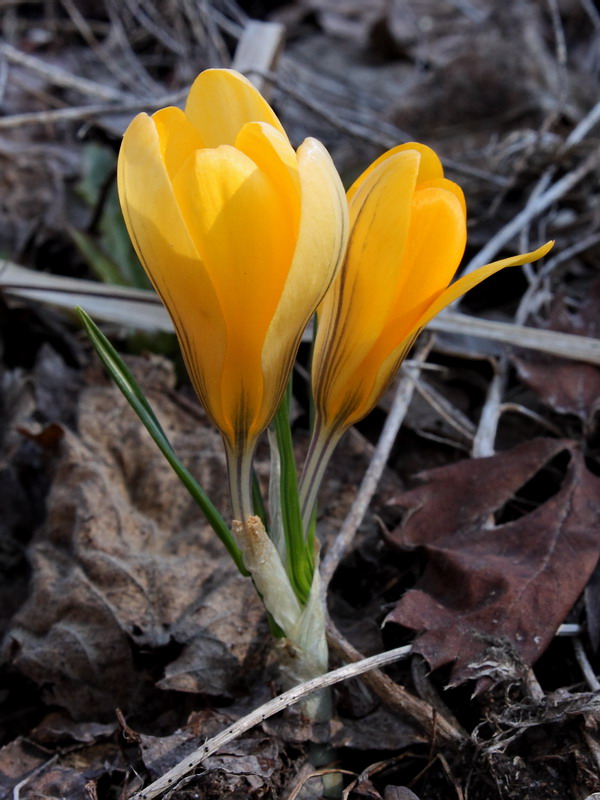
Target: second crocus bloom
(240, 236)
(408, 235)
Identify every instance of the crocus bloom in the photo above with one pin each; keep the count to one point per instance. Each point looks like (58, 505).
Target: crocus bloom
(240, 236)
(408, 235)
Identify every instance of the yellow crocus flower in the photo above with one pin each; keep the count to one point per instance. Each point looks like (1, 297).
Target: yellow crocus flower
(408, 235)
(240, 236)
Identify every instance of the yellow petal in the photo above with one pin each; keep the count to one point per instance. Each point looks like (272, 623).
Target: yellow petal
(169, 256)
(320, 247)
(356, 308)
(220, 103)
(462, 285)
(430, 166)
(450, 186)
(240, 229)
(381, 376)
(389, 355)
(178, 138)
(434, 248)
(372, 379)
(273, 154)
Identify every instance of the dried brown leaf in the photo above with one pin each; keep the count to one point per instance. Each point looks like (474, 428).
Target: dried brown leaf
(65, 774)
(567, 387)
(378, 729)
(57, 728)
(250, 764)
(57, 782)
(125, 562)
(514, 580)
(26, 401)
(17, 759)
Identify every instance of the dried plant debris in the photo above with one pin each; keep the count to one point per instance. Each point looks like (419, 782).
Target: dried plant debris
(125, 564)
(360, 726)
(247, 767)
(82, 755)
(511, 542)
(565, 387)
(28, 402)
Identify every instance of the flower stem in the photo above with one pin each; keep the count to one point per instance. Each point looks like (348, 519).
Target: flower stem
(239, 468)
(322, 445)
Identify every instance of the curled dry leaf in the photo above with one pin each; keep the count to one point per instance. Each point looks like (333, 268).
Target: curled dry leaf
(566, 386)
(125, 563)
(514, 580)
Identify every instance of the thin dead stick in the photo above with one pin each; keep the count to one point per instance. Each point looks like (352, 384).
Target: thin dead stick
(16, 793)
(61, 77)
(484, 441)
(260, 43)
(402, 399)
(382, 135)
(485, 437)
(58, 290)
(444, 409)
(112, 64)
(588, 672)
(551, 264)
(535, 207)
(319, 773)
(178, 772)
(581, 130)
(544, 195)
(433, 724)
(592, 12)
(74, 113)
(565, 345)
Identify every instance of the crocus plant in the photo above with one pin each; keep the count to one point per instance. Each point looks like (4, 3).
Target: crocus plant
(244, 238)
(241, 237)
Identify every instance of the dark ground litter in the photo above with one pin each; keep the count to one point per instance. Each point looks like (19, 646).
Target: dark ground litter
(114, 595)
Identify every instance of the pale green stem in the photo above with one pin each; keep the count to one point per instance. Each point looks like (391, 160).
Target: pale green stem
(321, 448)
(239, 468)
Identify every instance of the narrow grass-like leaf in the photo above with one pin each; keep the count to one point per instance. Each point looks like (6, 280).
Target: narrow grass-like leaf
(103, 266)
(126, 382)
(299, 557)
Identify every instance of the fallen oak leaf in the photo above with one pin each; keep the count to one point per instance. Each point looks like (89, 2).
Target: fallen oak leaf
(514, 581)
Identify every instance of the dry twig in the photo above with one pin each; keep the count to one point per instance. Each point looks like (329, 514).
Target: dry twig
(177, 773)
(62, 77)
(436, 727)
(538, 202)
